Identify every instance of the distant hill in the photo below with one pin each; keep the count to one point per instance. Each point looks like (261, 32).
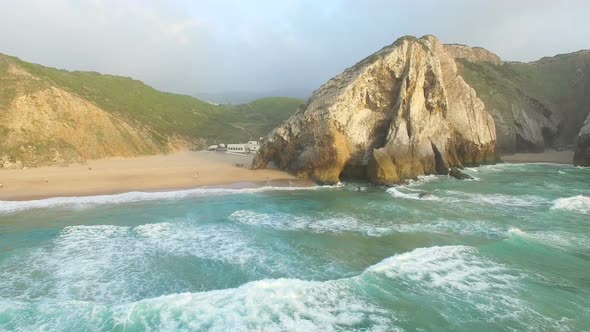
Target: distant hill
(50, 116)
(242, 97)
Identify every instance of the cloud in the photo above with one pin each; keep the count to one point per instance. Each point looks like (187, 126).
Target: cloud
(232, 45)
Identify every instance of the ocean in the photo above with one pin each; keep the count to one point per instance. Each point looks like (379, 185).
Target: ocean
(507, 251)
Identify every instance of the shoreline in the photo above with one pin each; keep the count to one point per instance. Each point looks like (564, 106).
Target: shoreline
(178, 171)
(549, 156)
(173, 172)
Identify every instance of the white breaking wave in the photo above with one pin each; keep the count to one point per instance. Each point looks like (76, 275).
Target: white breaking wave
(496, 199)
(579, 204)
(448, 274)
(130, 197)
(397, 193)
(452, 268)
(107, 263)
(269, 305)
(459, 196)
(335, 224)
(552, 238)
(457, 278)
(110, 264)
(423, 179)
(480, 228)
(283, 221)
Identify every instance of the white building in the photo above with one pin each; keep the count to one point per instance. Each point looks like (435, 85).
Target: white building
(237, 148)
(250, 147)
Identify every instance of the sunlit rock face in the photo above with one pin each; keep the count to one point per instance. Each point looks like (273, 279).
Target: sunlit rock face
(402, 112)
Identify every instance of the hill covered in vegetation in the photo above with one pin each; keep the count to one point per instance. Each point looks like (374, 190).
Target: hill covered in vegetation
(50, 116)
(537, 104)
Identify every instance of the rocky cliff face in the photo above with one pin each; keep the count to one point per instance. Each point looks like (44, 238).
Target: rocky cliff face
(402, 112)
(535, 105)
(582, 154)
(53, 126)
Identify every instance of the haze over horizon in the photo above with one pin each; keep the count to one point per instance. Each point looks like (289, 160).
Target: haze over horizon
(232, 46)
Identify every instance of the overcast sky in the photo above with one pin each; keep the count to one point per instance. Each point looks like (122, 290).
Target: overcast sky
(232, 45)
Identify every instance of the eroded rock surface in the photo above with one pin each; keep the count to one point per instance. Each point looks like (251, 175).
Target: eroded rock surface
(582, 154)
(402, 112)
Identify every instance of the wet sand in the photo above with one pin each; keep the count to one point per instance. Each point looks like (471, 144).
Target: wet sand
(181, 170)
(549, 156)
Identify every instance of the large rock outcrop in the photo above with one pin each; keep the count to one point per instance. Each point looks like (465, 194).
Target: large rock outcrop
(582, 154)
(402, 112)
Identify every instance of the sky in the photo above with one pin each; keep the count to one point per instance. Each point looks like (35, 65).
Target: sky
(226, 46)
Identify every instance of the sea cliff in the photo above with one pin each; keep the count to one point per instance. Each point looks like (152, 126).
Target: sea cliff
(400, 113)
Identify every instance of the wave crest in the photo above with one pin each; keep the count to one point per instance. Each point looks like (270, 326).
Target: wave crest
(579, 204)
(7, 207)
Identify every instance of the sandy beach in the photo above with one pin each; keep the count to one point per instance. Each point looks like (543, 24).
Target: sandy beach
(151, 173)
(180, 170)
(549, 156)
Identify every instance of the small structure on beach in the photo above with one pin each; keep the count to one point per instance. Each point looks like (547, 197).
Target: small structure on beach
(237, 148)
(250, 147)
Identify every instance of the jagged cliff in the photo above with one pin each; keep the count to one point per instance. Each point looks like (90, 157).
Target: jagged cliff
(535, 105)
(402, 112)
(582, 153)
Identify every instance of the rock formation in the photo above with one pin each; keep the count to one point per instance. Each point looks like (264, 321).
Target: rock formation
(402, 112)
(53, 126)
(535, 105)
(582, 154)
(457, 174)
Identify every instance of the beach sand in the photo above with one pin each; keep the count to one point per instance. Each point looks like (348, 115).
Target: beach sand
(549, 156)
(181, 170)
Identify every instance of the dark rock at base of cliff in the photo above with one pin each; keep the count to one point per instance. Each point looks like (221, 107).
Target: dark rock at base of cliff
(459, 175)
(582, 154)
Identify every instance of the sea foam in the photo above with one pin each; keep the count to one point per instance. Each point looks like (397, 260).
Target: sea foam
(321, 224)
(558, 239)
(457, 278)
(579, 204)
(7, 207)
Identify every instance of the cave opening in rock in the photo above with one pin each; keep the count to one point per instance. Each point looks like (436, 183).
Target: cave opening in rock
(523, 145)
(548, 137)
(353, 172)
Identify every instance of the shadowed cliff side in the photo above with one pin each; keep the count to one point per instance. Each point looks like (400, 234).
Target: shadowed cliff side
(582, 154)
(402, 112)
(534, 105)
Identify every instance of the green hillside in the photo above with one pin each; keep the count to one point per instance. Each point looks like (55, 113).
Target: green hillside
(165, 114)
(553, 87)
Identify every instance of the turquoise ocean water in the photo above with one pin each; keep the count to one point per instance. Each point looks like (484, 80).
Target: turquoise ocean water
(507, 251)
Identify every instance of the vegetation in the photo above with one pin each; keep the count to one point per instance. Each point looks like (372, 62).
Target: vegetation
(163, 114)
(559, 83)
